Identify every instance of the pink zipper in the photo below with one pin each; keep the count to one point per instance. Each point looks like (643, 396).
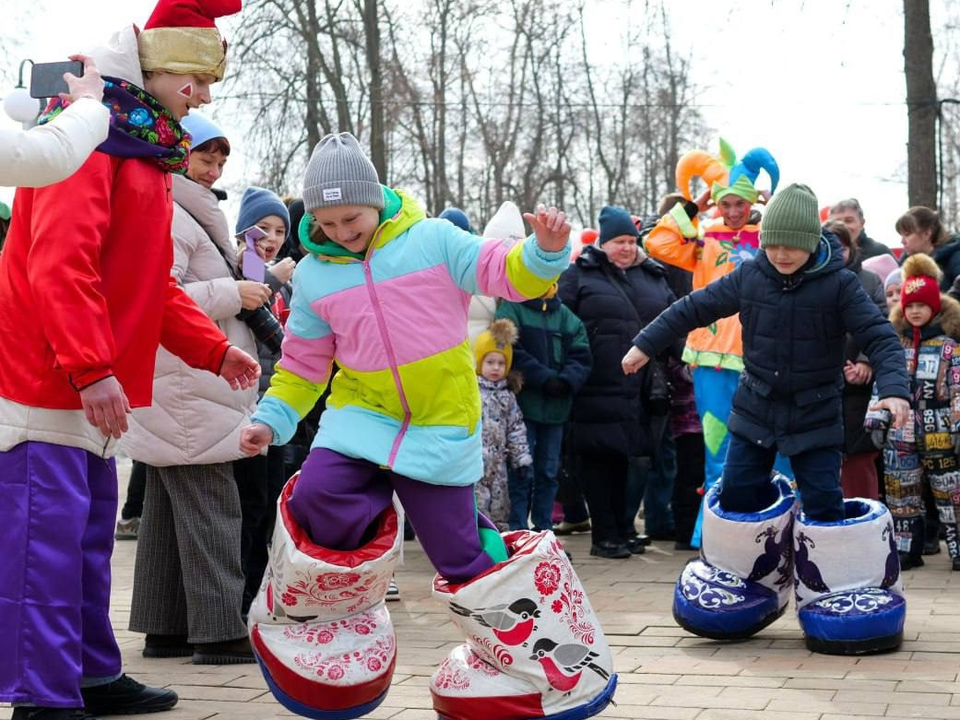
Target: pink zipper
(391, 356)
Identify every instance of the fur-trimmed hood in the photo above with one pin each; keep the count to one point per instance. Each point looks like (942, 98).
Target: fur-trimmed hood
(947, 322)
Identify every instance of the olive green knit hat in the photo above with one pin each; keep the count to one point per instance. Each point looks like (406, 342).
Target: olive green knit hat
(792, 219)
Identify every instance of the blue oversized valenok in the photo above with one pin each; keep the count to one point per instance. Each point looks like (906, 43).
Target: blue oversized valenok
(714, 603)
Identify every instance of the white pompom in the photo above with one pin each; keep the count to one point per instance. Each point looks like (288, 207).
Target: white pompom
(20, 106)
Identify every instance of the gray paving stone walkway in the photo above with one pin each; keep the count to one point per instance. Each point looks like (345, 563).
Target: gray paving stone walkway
(665, 673)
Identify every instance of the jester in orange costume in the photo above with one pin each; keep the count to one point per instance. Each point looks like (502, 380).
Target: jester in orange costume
(714, 352)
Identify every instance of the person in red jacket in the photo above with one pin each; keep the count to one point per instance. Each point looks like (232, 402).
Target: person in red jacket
(89, 261)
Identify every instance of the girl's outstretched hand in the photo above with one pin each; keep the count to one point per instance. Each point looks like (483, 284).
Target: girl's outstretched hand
(255, 437)
(550, 227)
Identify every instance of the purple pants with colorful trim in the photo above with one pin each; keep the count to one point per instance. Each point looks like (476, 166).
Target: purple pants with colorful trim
(58, 506)
(338, 497)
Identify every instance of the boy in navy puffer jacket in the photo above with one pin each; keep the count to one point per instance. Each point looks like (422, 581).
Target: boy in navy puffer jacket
(796, 304)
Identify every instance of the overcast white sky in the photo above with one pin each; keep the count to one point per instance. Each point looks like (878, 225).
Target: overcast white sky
(818, 82)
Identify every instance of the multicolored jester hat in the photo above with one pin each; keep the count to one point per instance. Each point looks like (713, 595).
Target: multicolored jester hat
(724, 175)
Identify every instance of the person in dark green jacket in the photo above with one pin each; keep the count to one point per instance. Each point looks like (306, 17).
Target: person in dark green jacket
(553, 354)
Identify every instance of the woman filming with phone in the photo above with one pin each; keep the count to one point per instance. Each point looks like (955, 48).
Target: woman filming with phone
(49, 153)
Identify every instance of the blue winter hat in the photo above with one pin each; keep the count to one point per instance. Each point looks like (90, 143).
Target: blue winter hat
(258, 203)
(614, 222)
(458, 217)
(201, 129)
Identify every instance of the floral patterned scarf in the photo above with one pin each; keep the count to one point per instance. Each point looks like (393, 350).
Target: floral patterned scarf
(140, 127)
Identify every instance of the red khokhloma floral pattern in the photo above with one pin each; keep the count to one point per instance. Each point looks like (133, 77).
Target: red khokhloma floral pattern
(373, 658)
(547, 578)
(488, 652)
(571, 602)
(346, 591)
(476, 662)
(314, 633)
(450, 676)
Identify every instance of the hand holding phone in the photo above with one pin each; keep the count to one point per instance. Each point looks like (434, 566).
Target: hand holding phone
(254, 267)
(69, 81)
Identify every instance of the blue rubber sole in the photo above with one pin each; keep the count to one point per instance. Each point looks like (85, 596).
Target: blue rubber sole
(299, 708)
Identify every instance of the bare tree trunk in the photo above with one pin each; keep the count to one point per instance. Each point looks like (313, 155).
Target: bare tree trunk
(378, 140)
(921, 104)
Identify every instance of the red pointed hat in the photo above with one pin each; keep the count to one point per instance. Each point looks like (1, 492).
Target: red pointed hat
(181, 37)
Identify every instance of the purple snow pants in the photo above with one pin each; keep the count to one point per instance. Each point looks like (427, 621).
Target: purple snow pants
(337, 498)
(58, 505)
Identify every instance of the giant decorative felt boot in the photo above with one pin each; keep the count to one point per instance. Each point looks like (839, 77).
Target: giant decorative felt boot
(534, 647)
(319, 626)
(741, 582)
(849, 593)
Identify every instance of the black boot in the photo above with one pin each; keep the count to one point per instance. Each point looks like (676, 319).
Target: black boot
(166, 646)
(231, 652)
(636, 544)
(911, 528)
(126, 696)
(611, 550)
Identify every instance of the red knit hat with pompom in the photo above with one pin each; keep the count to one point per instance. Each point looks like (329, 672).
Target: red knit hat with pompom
(921, 282)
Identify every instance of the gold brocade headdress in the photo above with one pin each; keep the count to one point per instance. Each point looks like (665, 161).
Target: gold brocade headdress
(181, 37)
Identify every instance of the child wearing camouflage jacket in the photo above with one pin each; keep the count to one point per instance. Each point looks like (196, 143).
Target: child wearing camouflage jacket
(504, 434)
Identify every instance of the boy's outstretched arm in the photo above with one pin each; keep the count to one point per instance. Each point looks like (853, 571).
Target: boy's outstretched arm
(719, 299)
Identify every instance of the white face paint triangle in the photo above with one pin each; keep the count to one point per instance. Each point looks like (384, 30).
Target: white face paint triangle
(186, 91)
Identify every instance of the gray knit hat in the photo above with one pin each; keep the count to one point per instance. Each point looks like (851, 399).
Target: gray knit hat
(339, 173)
(792, 219)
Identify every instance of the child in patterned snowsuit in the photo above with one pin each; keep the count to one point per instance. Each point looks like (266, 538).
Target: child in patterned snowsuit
(504, 434)
(924, 451)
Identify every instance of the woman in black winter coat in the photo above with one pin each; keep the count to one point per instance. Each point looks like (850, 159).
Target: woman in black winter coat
(615, 290)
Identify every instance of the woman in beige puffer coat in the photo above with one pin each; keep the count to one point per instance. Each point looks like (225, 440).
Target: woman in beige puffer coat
(188, 581)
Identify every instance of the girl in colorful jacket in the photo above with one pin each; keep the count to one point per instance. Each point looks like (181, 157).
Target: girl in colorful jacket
(384, 293)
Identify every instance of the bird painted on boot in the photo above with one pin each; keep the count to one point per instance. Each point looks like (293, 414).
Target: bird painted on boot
(564, 664)
(891, 571)
(512, 624)
(773, 553)
(807, 571)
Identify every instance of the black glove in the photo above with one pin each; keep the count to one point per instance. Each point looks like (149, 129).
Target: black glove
(524, 473)
(557, 387)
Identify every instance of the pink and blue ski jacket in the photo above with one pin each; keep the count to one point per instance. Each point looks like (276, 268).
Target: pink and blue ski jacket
(395, 322)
